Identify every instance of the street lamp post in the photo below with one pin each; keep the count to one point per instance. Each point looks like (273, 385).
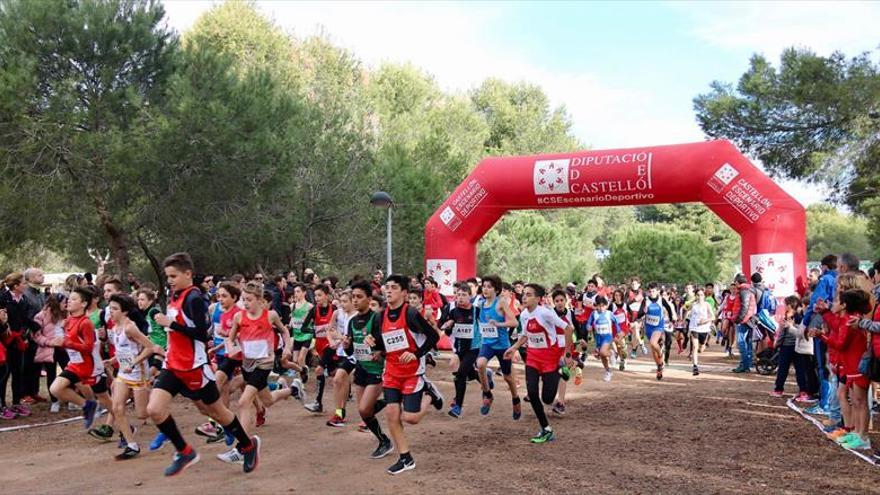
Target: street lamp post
(382, 199)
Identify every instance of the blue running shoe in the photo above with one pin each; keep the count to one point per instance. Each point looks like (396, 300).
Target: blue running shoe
(158, 442)
(181, 461)
(89, 410)
(455, 411)
(230, 439)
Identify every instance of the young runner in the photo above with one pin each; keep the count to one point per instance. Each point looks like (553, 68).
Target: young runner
(146, 301)
(619, 310)
(603, 324)
(302, 335)
(253, 331)
(366, 365)
(560, 306)
(635, 299)
(459, 326)
(133, 349)
(100, 384)
(700, 324)
(79, 342)
(186, 370)
(319, 318)
(495, 320)
(656, 313)
(405, 337)
(338, 335)
(542, 361)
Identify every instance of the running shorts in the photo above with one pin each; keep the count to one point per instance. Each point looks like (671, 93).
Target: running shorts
(487, 352)
(197, 384)
(73, 378)
(301, 344)
(329, 360)
(228, 366)
(134, 384)
(858, 380)
(649, 332)
(363, 378)
(701, 337)
(347, 365)
(258, 378)
(404, 390)
(101, 385)
(603, 339)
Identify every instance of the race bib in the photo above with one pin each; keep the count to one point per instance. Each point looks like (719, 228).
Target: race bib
(232, 348)
(125, 359)
(488, 331)
(537, 340)
(560, 339)
(634, 306)
(172, 315)
(74, 356)
(395, 340)
(463, 331)
(321, 331)
(362, 352)
(603, 329)
(578, 311)
(297, 323)
(255, 349)
(59, 331)
(652, 320)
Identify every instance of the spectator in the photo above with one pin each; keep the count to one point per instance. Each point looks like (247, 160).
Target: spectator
(49, 357)
(745, 307)
(35, 299)
(19, 326)
(822, 295)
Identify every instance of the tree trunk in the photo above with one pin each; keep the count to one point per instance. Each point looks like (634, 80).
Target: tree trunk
(157, 268)
(118, 238)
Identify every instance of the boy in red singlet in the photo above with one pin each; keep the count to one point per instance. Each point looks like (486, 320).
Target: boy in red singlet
(186, 370)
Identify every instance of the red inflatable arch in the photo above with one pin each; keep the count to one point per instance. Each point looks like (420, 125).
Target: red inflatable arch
(771, 223)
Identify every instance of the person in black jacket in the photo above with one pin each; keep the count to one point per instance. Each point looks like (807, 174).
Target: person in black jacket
(20, 326)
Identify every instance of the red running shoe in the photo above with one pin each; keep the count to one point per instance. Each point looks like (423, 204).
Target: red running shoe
(261, 417)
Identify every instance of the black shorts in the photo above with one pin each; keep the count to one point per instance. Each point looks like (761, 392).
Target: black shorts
(701, 337)
(346, 364)
(170, 383)
(72, 377)
(301, 344)
(258, 378)
(363, 378)
(101, 385)
(155, 361)
(228, 366)
(412, 403)
(329, 360)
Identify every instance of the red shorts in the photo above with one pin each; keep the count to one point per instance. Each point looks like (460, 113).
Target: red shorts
(194, 379)
(544, 360)
(321, 343)
(859, 379)
(407, 385)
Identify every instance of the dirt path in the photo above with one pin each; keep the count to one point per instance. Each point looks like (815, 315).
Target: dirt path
(716, 433)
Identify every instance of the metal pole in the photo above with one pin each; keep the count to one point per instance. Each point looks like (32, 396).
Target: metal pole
(388, 243)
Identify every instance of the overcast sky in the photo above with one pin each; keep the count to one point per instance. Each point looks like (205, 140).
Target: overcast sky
(626, 71)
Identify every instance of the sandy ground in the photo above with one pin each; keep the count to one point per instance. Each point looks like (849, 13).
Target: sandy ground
(716, 433)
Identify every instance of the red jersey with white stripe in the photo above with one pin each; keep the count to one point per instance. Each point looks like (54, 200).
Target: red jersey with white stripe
(397, 339)
(561, 344)
(184, 353)
(322, 324)
(256, 335)
(539, 328)
(233, 351)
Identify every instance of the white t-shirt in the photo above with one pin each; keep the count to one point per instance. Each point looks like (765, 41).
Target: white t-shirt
(700, 312)
(546, 318)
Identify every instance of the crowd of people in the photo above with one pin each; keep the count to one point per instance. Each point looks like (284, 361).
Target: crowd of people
(238, 345)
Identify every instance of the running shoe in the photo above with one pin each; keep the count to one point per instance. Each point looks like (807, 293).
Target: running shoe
(158, 442)
(526, 398)
(487, 406)
(776, 394)
(55, 407)
(517, 409)
(297, 390)
(490, 379)
(362, 427)
(559, 408)
(633, 354)
(401, 466)
(208, 429)
(385, 447)
(39, 399)
(434, 393)
(544, 436)
(121, 444)
(314, 407)
(607, 376)
(232, 456)
(22, 410)
(261, 417)
(622, 366)
(336, 421)
(103, 433)
(128, 453)
(817, 410)
(73, 407)
(181, 461)
(229, 437)
(846, 436)
(739, 369)
(644, 350)
(579, 376)
(696, 370)
(455, 411)
(252, 455)
(857, 443)
(804, 397)
(221, 435)
(28, 400)
(89, 410)
(304, 374)
(660, 374)
(7, 413)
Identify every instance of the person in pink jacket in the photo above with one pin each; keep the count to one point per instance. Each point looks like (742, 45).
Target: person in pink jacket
(51, 321)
